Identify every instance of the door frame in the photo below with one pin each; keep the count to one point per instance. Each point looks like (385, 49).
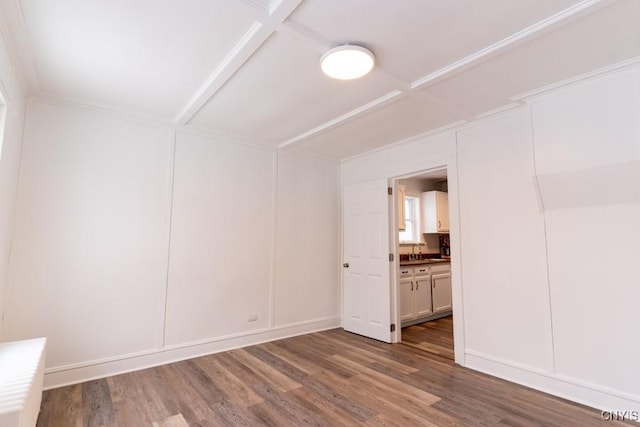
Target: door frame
(456, 257)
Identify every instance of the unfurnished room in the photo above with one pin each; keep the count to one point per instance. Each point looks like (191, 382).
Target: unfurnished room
(319, 212)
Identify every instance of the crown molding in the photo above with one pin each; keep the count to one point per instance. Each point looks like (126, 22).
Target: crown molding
(152, 122)
(294, 151)
(499, 110)
(428, 97)
(14, 33)
(183, 129)
(594, 75)
(124, 115)
(449, 127)
(276, 18)
(344, 118)
(224, 137)
(527, 34)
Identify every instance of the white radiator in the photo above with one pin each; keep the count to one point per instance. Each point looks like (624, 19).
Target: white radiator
(21, 375)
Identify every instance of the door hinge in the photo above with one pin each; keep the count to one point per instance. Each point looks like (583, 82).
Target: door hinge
(390, 257)
(389, 191)
(393, 327)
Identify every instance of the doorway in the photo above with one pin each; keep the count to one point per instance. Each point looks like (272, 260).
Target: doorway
(423, 269)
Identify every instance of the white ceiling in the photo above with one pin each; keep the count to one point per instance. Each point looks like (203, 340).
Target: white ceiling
(249, 68)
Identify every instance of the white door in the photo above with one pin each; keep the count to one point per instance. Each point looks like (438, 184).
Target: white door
(366, 280)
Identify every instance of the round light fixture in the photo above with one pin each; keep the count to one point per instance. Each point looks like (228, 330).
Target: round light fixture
(347, 62)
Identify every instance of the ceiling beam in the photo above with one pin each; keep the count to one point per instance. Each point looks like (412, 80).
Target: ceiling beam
(527, 34)
(389, 98)
(292, 29)
(258, 33)
(416, 89)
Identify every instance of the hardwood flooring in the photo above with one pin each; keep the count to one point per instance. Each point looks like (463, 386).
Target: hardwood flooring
(330, 378)
(435, 337)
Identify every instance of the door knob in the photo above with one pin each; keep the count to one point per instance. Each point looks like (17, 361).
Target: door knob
(345, 265)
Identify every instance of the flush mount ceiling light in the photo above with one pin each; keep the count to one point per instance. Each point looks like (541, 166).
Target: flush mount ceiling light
(347, 62)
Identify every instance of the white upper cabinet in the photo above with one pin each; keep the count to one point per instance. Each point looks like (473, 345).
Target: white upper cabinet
(435, 212)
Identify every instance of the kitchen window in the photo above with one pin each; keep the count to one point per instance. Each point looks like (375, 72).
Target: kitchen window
(411, 233)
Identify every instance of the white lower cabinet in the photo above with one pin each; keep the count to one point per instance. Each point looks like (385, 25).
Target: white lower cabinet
(407, 303)
(424, 290)
(441, 292)
(423, 297)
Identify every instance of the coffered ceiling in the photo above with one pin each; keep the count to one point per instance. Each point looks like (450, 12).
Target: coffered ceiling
(249, 69)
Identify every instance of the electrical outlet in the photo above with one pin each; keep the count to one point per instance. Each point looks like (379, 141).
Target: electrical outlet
(253, 318)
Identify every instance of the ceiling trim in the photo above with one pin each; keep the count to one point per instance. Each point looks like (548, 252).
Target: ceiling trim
(304, 153)
(591, 75)
(5, 97)
(413, 89)
(519, 101)
(499, 110)
(344, 118)
(274, 18)
(246, 46)
(425, 97)
(14, 33)
(225, 138)
(292, 28)
(150, 121)
(295, 29)
(258, 33)
(256, 5)
(118, 113)
(278, 5)
(535, 30)
(450, 127)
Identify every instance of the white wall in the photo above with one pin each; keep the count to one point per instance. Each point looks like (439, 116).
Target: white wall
(506, 297)
(89, 249)
(431, 152)
(308, 195)
(137, 244)
(11, 142)
(220, 263)
(549, 201)
(587, 146)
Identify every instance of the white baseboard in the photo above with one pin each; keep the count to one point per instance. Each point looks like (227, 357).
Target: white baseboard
(589, 394)
(65, 375)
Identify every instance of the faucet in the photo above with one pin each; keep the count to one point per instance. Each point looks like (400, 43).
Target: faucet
(413, 252)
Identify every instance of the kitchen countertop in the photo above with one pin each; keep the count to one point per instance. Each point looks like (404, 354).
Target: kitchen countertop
(425, 261)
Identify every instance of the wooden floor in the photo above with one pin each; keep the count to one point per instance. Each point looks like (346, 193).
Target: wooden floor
(435, 337)
(330, 378)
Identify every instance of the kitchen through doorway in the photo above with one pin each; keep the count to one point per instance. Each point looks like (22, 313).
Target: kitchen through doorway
(423, 270)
